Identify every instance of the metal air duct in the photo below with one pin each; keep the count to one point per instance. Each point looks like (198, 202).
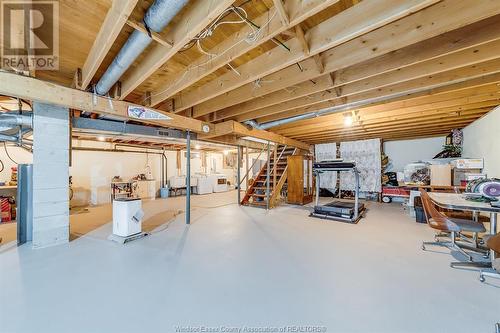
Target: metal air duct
(157, 17)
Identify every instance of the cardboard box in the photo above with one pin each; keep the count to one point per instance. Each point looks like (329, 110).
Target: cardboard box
(459, 175)
(440, 175)
(468, 163)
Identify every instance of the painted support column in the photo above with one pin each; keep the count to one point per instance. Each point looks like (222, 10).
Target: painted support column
(188, 177)
(50, 175)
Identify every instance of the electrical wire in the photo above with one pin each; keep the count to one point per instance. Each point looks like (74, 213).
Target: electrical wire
(3, 167)
(7, 153)
(251, 38)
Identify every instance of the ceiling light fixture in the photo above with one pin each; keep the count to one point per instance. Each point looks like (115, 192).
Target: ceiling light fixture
(348, 120)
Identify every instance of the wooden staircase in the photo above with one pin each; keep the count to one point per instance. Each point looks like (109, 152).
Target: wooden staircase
(256, 194)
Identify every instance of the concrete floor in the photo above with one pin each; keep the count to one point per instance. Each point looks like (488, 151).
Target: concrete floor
(241, 266)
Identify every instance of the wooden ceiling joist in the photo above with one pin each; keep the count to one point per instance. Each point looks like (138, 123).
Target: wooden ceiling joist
(432, 21)
(435, 67)
(236, 45)
(367, 117)
(330, 33)
(193, 22)
(441, 79)
(232, 127)
(471, 91)
(116, 18)
(397, 122)
(445, 51)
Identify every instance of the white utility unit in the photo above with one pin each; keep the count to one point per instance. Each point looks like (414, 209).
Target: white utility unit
(220, 183)
(204, 184)
(127, 216)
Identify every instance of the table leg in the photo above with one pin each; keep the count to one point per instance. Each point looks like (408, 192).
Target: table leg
(493, 231)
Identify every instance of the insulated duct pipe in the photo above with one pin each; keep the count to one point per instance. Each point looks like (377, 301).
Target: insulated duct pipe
(158, 16)
(8, 138)
(10, 119)
(344, 107)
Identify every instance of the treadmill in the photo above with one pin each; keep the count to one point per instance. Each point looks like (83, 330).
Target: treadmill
(338, 210)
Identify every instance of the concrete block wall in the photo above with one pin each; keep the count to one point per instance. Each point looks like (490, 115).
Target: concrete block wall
(50, 175)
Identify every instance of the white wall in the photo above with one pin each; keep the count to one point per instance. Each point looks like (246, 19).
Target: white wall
(403, 152)
(92, 171)
(482, 139)
(19, 155)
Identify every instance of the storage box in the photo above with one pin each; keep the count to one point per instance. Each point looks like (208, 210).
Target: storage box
(459, 175)
(474, 176)
(440, 175)
(468, 163)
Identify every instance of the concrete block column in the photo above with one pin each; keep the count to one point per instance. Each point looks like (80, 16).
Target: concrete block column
(50, 175)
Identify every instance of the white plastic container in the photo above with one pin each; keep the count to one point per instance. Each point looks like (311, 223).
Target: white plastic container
(127, 216)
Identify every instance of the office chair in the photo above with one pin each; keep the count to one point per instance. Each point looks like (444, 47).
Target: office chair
(493, 243)
(438, 221)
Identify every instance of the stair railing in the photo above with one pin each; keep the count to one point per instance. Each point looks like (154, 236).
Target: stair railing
(251, 167)
(276, 163)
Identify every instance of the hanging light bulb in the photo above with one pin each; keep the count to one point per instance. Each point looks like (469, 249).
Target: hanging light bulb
(348, 120)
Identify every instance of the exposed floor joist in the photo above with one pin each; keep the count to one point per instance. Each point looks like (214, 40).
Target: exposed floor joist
(116, 18)
(330, 33)
(237, 45)
(427, 23)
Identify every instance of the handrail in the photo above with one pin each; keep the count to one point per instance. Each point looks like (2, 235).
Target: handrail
(275, 162)
(251, 167)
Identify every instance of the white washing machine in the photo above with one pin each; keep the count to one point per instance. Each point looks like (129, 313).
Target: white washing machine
(204, 185)
(127, 216)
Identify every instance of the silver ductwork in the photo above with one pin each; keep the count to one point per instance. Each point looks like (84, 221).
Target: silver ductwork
(157, 17)
(10, 120)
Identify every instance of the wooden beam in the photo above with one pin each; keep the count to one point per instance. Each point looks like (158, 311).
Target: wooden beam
(369, 114)
(384, 121)
(319, 63)
(46, 92)
(426, 83)
(465, 92)
(232, 127)
(339, 29)
(455, 41)
(199, 15)
(301, 37)
(467, 57)
(113, 23)
(235, 46)
(442, 17)
(156, 36)
(415, 128)
(281, 12)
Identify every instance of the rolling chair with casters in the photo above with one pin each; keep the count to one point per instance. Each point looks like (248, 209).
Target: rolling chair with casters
(493, 243)
(438, 221)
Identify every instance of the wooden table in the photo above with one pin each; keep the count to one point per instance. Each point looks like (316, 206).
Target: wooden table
(458, 202)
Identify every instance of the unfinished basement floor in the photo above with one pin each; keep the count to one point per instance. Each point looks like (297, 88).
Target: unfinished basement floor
(242, 266)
